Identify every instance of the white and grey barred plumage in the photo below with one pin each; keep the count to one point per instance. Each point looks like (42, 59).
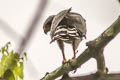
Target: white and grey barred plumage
(66, 26)
(66, 34)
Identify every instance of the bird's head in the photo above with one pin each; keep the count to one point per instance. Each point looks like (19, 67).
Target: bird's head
(47, 24)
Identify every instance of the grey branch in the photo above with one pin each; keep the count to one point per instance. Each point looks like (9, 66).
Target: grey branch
(111, 76)
(101, 62)
(9, 31)
(95, 48)
(32, 26)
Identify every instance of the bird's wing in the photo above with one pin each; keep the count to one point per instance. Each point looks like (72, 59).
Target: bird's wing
(57, 19)
(77, 42)
(76, 20)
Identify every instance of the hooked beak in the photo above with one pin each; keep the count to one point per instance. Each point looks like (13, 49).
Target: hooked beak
(45, 32)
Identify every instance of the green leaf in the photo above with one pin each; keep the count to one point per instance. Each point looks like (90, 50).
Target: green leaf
(18, 71)
(9, 75)
(7, 62)
(11, 66)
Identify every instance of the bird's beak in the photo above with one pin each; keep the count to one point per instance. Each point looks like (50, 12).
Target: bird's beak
(45, 32)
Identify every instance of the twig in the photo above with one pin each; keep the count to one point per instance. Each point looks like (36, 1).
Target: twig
(9, 31)
(101, 62)
(32, 26)
(93, 47)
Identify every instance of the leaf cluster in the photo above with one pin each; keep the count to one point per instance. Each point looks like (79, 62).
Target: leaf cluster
(11, 66)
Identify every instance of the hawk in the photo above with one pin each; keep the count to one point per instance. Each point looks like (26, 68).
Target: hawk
(68, 27)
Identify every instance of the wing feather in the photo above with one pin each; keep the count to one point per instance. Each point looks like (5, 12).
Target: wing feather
(76, 20)
(57, 19)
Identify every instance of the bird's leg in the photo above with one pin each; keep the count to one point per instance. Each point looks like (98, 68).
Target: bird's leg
(74, 52)
(73, 46)
(63, 54)
(61, 46)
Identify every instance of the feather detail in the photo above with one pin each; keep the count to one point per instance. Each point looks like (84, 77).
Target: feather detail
(65, 33)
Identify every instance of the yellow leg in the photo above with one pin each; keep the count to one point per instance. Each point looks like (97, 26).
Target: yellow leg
(64, 61)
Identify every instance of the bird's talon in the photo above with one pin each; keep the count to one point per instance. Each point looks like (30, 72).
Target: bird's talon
(73, 57)
(64, 61)
(71, 60)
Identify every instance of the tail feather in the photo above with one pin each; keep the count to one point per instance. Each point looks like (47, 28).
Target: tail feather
(52, 40)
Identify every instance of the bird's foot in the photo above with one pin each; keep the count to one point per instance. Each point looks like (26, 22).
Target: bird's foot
(64, 61)
(71, 60)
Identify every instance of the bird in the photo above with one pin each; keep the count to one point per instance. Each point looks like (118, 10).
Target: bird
(66, 27)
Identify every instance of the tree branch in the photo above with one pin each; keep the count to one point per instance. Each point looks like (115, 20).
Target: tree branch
(94, 48)
(101, 62)
(9, 31)
(111, 76)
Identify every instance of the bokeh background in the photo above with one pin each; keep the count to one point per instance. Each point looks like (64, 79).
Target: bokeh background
(44, 57)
